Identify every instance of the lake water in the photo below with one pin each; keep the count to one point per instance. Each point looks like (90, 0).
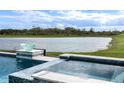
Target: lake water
(77, 44)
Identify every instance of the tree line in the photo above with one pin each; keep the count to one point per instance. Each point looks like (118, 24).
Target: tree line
(68, 31)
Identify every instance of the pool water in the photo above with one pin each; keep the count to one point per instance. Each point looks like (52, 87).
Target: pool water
(9, 65)
(89, 70)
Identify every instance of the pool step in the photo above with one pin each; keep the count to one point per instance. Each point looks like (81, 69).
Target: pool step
(53, 77)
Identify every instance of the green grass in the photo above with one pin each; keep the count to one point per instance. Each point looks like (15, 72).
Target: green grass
(47, 36)
(12, 51)
(115, 50)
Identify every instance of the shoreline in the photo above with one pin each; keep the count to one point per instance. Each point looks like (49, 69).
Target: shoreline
(50, 36)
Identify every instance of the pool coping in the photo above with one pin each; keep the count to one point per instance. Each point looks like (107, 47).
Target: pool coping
(66, 56)
(37, 58)
(8, 54)
(96, 59)
(90, 56)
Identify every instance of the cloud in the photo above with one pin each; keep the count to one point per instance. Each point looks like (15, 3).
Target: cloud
(61, 19)
(100, 18)
(34, 16)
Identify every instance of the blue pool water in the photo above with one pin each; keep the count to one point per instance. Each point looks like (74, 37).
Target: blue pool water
(90, 70)
(9, 65)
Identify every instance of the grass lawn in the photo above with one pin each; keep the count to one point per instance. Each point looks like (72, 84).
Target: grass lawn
(115, 50)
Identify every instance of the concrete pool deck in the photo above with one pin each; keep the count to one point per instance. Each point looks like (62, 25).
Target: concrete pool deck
(44, 58)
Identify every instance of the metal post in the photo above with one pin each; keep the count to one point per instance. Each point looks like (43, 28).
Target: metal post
(44, 52)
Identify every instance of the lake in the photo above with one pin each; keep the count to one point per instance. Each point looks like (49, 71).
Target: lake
(74, 44)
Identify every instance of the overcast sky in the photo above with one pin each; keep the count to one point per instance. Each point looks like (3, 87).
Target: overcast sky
(61, 19)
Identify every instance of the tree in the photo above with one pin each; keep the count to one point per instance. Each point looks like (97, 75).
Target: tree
(91, 30)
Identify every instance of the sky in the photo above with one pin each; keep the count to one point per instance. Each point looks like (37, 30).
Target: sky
(22, 19)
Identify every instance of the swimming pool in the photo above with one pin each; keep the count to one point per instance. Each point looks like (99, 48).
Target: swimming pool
(68, 66)
(88, 70)
(9, 65)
